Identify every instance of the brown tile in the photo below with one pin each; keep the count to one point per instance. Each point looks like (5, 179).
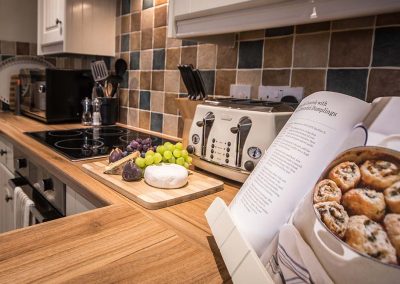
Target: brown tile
(173, 42)
(117, 44)
(147, 18)
(173, 58)
(147, 39)
(157, 101)
(388, 19)
(134, 80)
(32, 49)
(189, 55)
(311, 50)
(144, 119)
(315, 27)
(133, 117)
(223, 82)
(135, 22)
(157, 81)
(278, 52)
(170, 125)
(311, 80)
(257, 34)
(352, 23)
(180, 126)
(160, 16)
(226, 57)
(170, 105)
(22, 48)
(118, 8)
(123, 113)
(159, 37)
(135, 41)
(125, 56)
(160, 2)
(250, 77)
(351, 48)
(172, 81)
(125, 24)
(146, 59)
(8, 47)
(136, 5)
(133, 98)
(145, 80)
(123, 97)
(207, 56)
(182, 87)
(383, 83)
(276, 77)
(118, 26)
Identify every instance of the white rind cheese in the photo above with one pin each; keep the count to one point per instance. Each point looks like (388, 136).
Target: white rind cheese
(166, 176)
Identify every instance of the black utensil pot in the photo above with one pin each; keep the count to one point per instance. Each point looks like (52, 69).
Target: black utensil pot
(109, 111)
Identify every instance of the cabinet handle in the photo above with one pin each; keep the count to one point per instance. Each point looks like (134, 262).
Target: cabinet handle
(58, 21)
(3, 152)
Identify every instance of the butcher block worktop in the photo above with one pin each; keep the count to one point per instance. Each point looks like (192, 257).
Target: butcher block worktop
(120, 242)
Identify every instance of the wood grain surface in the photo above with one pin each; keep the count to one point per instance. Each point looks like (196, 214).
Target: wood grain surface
(155, 198)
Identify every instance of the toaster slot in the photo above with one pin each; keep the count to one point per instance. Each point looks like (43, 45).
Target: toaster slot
(206, 124)
(242, 131)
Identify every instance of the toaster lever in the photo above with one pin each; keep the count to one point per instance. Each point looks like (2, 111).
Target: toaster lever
(234, 130)
(200, 123)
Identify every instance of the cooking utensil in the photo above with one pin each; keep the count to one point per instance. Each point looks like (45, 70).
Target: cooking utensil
(200, 83)
(186, 81)
(99, 70)
(120, 67)
(192, 81)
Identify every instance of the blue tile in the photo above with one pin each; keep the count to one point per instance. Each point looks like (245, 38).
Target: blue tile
(208, 79)
(159, 59)
(156, 122)
(125, 42)
(144, 100)
(126, 7)
(387, 47)
(250, 54)
(135, 60)
(351, 82)
(279, 31)
(147, 4)
(125, 79)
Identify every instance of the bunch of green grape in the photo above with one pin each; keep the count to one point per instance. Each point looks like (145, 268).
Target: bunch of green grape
(167, 153)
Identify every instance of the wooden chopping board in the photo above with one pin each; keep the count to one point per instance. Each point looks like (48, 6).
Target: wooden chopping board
(155, 198)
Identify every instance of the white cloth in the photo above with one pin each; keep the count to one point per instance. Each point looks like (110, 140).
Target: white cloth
(22, 209)
(296, 259)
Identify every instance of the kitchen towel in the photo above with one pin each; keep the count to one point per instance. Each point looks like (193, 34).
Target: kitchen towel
(22, 209)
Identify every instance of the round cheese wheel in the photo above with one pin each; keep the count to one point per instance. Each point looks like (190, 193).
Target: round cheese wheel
(166, 176)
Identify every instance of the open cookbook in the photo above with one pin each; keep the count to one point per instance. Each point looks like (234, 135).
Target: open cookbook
(326, 194)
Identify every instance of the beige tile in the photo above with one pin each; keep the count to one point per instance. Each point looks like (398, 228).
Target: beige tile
(276, 77)
(311, 80)
(250, 77)
(224, 79)
(256, 34)
(8, 47)
(226, 57)
(160, 16)
(278, 52)
(311, 50)
(118, 26)
(173, 58)
(144, 119)
(146, 59)
(145, 80)
(353, 23)
(170, 125)
(134, 80)
(207, 56)
(189, 55)
(135, 22)
(133, 117)
(160, 2)
(147, 21)
(157, 81)
(123, 97)
(123, 115)
(117, 44)
(159, 35)
(136, 5)
(133, 98)
(147, 39)
(125, 24)
(135, 41)
(172, 81)
(173, 42)
(170, 105)
(157, 101)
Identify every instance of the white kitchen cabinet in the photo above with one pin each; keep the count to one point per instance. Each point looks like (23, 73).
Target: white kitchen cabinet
(196, 19)
(6, 202)
(76, 26)
(76, 203)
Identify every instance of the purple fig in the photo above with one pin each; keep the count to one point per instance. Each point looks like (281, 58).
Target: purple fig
(131, 172)
(115, 155)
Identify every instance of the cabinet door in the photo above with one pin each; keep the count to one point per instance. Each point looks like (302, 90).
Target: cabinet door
(76, 203)
(6, 204)
(52, 17)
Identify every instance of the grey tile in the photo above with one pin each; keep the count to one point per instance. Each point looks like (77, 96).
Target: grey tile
(126, 7)
(156, 121)
(188, 42)
(159, 59)
(125, 80)
(250, 54)
(209, 80)
(387, 47)
(351, 82)
(125, 42)
(135, 60)
(144, 100)
(279, 31)
(147, 4)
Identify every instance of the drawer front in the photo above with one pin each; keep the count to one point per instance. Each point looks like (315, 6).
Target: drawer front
(6, 153)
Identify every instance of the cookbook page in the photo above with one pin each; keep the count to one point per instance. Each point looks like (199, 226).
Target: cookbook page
(292, 164)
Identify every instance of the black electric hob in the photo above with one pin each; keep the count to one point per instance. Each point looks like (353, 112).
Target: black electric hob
(89, 143)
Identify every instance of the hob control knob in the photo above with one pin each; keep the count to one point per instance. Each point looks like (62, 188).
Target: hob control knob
(249, 165)
(46, 184)
(190, 149)
(22, 163)
(234, 130)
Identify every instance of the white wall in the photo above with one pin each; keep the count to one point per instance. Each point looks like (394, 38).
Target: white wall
(18, 20)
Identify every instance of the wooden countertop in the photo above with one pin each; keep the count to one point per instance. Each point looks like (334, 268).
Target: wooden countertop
(121, 241)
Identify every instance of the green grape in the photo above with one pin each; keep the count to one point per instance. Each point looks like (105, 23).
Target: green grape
(188, 159)
(149, 153)
(167, 143)
(160, 149)
(157, 158)
(168, 154)
(170, 147)
(149, 160)
(179, 146)
(165, 160)
(185, 153)
(177, 153)
(186, 165)
(172, 160)
(180, 161)
(140, 162)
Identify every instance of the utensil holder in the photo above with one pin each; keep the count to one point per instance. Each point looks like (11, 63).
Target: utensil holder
(109, 110)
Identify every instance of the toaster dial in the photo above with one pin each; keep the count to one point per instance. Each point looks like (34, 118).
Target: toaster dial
(254, 152)
(195, 139)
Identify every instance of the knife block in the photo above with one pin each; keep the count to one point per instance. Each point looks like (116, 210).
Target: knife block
(187, 109)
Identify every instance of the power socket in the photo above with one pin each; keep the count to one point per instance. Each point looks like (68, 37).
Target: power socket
(276, 93)
(240, 91)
